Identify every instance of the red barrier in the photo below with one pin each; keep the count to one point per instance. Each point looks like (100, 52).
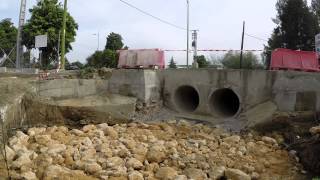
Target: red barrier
(286, 59)
(141, 58)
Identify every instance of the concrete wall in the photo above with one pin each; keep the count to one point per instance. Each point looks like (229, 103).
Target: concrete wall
(70, 88)
(143, 84)
(22, 70)
(290, 91)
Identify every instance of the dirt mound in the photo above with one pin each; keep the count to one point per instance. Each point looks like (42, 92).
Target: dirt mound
(147, 151)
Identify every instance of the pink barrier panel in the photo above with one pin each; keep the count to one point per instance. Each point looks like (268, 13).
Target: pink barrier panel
(141, 58)
(294, 60)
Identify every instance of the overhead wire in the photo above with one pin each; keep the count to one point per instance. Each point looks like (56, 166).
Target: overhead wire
(154, 17)
(255, 37)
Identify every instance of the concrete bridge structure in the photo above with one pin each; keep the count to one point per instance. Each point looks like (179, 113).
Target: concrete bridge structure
(213, 95)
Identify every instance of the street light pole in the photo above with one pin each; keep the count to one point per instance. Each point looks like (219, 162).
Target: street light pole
(98, 36)
(63, 42)
(188, 23)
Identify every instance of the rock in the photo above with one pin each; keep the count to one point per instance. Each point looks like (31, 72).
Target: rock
(114, 162)
(36, 131)
(23, 160)
(92, 167)
(217, 172)
(156, 154)
(181, 177)
(232, 139)
(134, 163)
(255, 176)
(86, 142)
(196, 174)
(236, 174)
(58, 172)
(135, 175)
(29, 176)
(56, 149)
(109, 131)
(10, 153)
(43, 139)
(166, 173)
(269, 140)
(76, 132)
(315, 130)
(88, 128)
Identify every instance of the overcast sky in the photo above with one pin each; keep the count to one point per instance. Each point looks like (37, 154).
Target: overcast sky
(219, 22)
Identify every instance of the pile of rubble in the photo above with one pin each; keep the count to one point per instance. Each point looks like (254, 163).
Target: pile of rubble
(175, 150)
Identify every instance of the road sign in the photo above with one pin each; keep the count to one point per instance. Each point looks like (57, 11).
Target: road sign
(41, 41)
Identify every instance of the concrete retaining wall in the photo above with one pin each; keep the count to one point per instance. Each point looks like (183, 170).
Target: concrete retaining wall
(70, 88)
(143, 84)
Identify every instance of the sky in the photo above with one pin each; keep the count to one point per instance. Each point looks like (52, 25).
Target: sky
(219, 24)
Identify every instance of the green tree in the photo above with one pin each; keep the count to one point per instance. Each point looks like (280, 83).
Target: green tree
(114, 42)
(105, 58)
(315, 5)
(231, 60)
(296, 27)
(46, 18)
(172, 64)
(8, 36)
(202, 61)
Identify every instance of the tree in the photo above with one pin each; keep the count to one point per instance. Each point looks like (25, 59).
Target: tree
(296, 27)
(315, 5)
(114, 42)
(231, 60)
(172, 64)
(105, 58)
(46, 18)
(202, 61)
(8, 36)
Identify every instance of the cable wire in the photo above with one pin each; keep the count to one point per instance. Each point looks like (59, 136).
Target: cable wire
(255, 37)
(154, 17)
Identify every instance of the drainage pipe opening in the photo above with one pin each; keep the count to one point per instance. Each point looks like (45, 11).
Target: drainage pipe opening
(187, 98)
(225, 103)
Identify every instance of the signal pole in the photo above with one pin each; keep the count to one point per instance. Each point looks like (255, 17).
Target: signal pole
(63, 42)
(195, 48)
(188, 24)
(22, 18)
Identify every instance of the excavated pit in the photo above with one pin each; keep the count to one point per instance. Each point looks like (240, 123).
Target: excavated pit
(224, 103)
(187, 98)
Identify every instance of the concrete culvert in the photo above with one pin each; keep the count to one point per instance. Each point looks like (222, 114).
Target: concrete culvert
(187, 98)
(225, 103)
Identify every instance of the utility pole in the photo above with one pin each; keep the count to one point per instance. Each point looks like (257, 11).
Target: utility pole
(242, 41)
(188, 27)
(195, 48)
(22, 18)
(63, 42)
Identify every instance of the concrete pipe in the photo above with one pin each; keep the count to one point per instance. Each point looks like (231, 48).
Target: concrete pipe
(187, 98)
(224, 103)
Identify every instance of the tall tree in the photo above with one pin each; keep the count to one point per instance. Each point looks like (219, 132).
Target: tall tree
(114, 42)
(296, 27)
(202, 61)
(315, 5)
(46, 18)
(105, 58)
(172, 64)
(8, 36)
